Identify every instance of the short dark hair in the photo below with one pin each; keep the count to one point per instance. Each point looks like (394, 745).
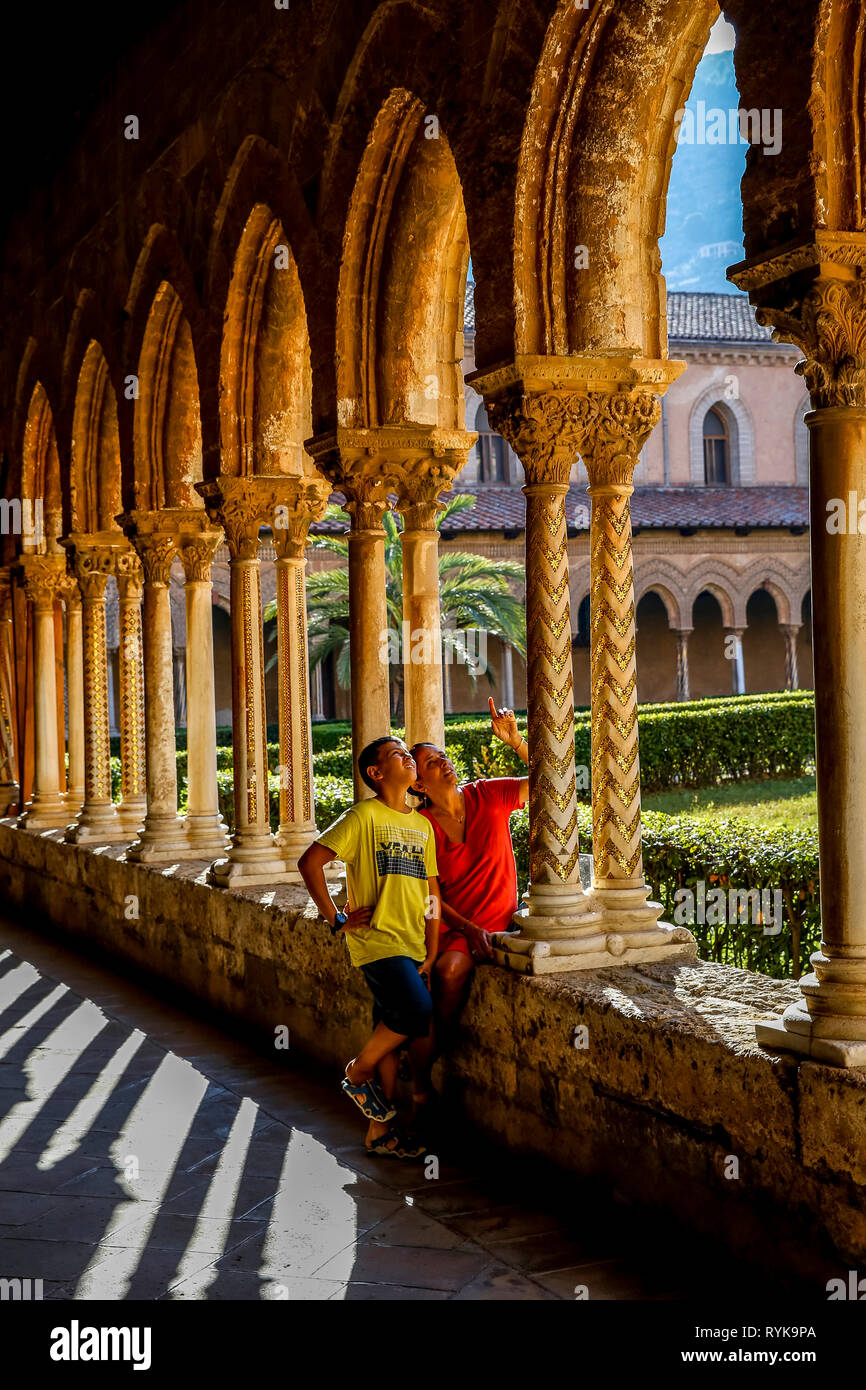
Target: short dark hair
(369, 757)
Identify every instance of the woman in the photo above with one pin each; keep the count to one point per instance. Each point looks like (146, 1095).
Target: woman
(474, 854)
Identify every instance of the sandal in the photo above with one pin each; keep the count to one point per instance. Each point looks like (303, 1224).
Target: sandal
(370, 1100)
(405, 1146)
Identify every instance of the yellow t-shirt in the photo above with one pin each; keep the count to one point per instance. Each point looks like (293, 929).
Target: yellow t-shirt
(389, 855)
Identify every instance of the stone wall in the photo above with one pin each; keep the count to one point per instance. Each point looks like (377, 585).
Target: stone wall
(669, 1090)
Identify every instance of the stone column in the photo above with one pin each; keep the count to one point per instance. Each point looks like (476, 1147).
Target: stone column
(46, 810)
(163, 837)
(98, 822)
(551, 410)
(792, 675)
(298, 503)
(206, 830)
(9, 790)
(815, 296)
(682, 635)
(133, 801)
(419, 502)
(241, 506)
(368, 466)
(734, 641)
(71, 595)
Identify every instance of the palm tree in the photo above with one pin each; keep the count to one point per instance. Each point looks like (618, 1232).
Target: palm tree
(475, 594)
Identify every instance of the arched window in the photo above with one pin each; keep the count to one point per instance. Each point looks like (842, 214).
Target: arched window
(491, 450)
(717, 452)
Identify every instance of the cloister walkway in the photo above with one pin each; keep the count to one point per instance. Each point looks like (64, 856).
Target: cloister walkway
(148, 1153)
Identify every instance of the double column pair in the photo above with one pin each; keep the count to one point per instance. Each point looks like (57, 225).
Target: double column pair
(407, 468)
(241, 507)
(551, 411)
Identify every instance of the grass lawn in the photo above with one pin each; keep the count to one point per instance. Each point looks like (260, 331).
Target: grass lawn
(778, 804)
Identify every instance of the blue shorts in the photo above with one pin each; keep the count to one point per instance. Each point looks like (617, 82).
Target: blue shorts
(401, 1000)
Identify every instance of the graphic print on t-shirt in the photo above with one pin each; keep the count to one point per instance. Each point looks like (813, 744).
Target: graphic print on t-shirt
(400, 851)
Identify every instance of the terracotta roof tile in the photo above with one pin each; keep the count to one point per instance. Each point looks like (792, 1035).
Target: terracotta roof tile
(654, 508)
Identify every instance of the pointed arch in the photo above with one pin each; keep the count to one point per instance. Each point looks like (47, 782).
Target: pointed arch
(167, 457)
(94, 481)
(403, 277)
(265, 374)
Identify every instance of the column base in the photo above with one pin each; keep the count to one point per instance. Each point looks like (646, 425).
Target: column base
(97, 824)
(208, 835)
(132, 815)
(251, 862)
(819, 1036)
(74, 801)
(600, 951)
(42, 814)
(292, 841)
(162, 842)
(9, 795)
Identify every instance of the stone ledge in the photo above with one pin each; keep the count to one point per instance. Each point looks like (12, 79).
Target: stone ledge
(669, 1087)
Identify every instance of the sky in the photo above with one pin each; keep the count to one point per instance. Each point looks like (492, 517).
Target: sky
(704, 224)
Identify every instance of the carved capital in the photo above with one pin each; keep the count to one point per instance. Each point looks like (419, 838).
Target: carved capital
(92, 565)
(614, 430)
(548, 430)
(298, 502)
(43, 575)
(156, 553)
(812, 292)
(828, 325)
(69, 591)
(196, 555)
(241, 506)
(420, 488)
(129, 575)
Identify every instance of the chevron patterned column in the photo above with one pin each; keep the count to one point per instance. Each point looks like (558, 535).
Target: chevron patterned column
(553, 410)
(615, 427)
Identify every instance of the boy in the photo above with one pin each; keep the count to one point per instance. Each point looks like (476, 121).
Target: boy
(391, 926)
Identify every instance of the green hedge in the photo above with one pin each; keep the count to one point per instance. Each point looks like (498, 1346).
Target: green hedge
(680, 852)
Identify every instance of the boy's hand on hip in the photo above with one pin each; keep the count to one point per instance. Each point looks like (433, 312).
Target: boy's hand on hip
(358, 918)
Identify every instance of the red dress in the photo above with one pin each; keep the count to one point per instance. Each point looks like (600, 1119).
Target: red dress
(478, 878)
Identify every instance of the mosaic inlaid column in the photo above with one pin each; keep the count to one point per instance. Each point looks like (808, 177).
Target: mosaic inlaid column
(682, 634)
(98, 822)
(9, 790)
(790, 632)
(816, 297)
(129, 578)
(241, 506)
(163, 837)
(299, 503)
(46, 809)
(206, 830)
(71, 595)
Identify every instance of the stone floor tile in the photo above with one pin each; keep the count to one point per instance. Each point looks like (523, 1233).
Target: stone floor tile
(20, 1208)
(165, 1230)
(409, 1226)
(503, 1223)
(498, 1283)
(412, 1267)
(604, 1281)
(45, 1259)
(238, 1286)
(392, 1293)
(76, 1218)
